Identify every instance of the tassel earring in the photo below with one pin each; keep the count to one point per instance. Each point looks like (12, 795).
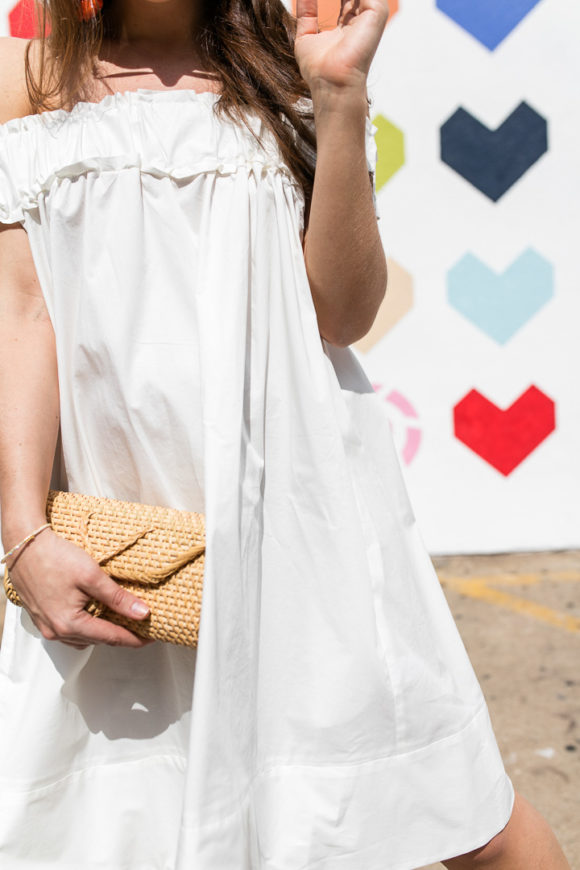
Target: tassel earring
(88, 9)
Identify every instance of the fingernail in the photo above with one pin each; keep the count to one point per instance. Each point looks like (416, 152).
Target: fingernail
(139, 609)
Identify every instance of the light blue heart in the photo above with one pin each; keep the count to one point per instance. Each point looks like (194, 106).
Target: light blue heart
(500, 304)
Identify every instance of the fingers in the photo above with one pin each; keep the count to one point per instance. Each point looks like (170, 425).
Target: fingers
(97, 630)
(82, 628)
(100, 586)
(76, 645)
(349, 9)
(306, 17)
(82, 643)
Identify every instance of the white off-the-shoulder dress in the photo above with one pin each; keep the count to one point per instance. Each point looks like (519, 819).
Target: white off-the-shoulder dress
(330, 718)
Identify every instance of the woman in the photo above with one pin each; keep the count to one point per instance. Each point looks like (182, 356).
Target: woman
(180, 283)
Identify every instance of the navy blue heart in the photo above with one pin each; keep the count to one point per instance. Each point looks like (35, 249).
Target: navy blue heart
(489, 21)
(493, 160)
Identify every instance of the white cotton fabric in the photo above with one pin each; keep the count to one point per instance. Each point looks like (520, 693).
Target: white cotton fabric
(335, 721)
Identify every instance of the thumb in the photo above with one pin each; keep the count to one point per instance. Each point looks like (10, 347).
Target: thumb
(105, 589)
(306, 17)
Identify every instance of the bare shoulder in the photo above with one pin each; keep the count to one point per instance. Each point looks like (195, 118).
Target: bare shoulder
(14, 102)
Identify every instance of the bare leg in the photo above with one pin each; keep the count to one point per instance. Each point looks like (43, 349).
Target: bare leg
(526, 843)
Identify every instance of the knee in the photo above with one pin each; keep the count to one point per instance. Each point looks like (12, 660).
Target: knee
(494, 851)
(487, 855)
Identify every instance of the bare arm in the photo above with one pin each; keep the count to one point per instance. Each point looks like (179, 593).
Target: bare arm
(29, 406)
(53, 577)
(28, 382)
(343, 251)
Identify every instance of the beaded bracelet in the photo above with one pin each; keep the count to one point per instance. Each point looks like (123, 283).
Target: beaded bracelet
(23, 543)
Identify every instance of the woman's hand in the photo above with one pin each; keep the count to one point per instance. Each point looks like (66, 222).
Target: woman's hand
(340, 57)
(55, 579)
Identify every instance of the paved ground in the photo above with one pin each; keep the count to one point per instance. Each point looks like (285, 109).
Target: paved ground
(519, 617)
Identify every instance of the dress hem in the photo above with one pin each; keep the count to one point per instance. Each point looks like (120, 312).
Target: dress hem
(402, 812)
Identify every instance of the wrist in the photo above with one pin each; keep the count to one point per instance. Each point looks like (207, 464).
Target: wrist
(340, 117)
(340, 130)
(12, 555)
(334, 97)
(14, 529)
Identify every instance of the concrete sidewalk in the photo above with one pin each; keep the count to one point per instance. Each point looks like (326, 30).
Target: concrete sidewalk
(519, 618)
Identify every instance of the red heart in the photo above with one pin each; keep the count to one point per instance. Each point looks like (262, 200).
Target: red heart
(504, 437)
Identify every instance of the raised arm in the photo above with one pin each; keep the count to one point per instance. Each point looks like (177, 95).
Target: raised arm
(343, 252)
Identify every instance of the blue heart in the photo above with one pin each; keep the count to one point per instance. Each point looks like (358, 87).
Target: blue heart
(489, 21)
(493, 160)
(500, 304)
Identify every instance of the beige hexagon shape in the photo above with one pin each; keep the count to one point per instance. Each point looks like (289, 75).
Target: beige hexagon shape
(397, 302)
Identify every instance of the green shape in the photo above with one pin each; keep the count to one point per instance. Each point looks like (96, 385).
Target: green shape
(390, 150)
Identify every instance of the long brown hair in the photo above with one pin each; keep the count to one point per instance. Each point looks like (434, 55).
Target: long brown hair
(248, 44)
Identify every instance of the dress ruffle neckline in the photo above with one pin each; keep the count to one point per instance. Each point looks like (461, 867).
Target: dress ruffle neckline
(138, 129)
(129, 129)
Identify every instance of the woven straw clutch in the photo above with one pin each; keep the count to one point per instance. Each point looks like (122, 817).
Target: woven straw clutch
(157, 553)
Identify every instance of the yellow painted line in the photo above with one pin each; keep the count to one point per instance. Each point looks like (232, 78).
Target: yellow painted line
(515, 579)
(479, 588)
